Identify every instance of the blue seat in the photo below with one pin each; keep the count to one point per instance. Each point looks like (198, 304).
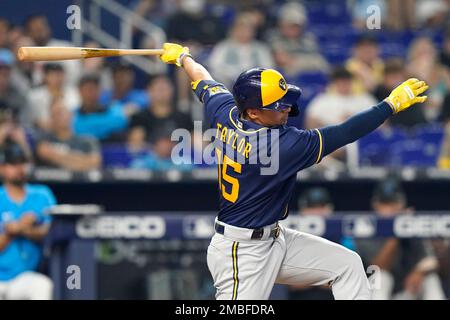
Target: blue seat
(118, 156)
(375, 149)
(415, 153)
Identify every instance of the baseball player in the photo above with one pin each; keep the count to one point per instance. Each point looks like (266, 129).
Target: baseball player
(251, 250)
(24, 222)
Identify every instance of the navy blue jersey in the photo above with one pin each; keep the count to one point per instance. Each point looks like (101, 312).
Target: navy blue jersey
(257, 166)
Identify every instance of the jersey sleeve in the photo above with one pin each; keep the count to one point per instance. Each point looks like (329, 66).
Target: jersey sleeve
(48, 201)
(300, 149)
(215, 96)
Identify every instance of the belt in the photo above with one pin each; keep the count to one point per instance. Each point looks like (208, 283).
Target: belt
(257, 234)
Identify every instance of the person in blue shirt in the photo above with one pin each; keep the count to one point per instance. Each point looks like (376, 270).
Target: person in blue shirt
(103, 122)
(258, 159)
(24, 222)
(123, 91)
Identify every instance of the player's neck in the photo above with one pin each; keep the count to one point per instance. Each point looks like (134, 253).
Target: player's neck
(257, 121)
(15, 192)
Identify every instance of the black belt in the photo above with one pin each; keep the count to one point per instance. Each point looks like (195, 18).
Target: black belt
(257, 233)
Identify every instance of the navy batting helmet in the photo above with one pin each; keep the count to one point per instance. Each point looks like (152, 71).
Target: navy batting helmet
(265, 89)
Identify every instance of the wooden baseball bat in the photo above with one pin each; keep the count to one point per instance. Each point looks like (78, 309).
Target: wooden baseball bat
(69, 53)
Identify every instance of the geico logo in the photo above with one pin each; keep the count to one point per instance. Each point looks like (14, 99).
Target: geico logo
(130, 227)
(310, 224)
(422, 226)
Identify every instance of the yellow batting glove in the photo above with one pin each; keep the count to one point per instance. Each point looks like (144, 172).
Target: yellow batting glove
(407, 94)
(174, 53)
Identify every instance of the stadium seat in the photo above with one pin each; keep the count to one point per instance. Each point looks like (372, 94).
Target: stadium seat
(375, 148)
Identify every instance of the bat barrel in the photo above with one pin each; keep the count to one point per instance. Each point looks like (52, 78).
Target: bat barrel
(68, 53)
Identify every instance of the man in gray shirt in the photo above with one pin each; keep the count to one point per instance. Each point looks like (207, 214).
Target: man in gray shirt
(60, 148)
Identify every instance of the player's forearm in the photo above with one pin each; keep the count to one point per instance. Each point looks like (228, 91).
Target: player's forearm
(5, 239)
(386, 256)
(357, 126)
(36, 233)
(79, 162)
(195, 70)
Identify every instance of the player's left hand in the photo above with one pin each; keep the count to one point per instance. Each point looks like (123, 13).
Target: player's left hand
(173, 53)
(407, 94)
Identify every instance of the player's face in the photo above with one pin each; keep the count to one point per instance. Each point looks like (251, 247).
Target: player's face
(388, 209)
(270, 118)
(15, 173)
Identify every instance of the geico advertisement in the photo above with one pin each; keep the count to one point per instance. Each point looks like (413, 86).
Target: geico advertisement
(128, 226)
(202, 226)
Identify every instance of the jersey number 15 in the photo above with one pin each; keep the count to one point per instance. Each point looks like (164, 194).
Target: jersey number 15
(224, 163)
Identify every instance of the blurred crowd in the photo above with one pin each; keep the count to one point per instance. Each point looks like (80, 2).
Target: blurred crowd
(100, 113)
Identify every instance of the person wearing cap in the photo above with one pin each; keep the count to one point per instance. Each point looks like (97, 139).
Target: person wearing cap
(24, 222)
(9, 93)
(407, 266)
(365, 64)
(52, 88)
(295, 50)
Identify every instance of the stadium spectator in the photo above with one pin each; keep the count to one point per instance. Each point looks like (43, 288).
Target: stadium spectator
(160, 114)
(394, 74)
(295, 50)
(431, 13)
(441, 248)
(423, 63)
(159, 157)
(335, 105)
(407, 266)
(24, 222)
(445, 52)
(444, 156)
(97, 66)
(365, 64)
(97, 120)
(192, 25)
(61, 148)
(22, 72)
(53, 87)
(4, 33)
(10, 130)
(240, 51)
(37, 28)
(11, 96)
(338, 102)
(123, 90)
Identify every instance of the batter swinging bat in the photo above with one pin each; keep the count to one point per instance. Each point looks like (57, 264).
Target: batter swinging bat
(69, 53)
